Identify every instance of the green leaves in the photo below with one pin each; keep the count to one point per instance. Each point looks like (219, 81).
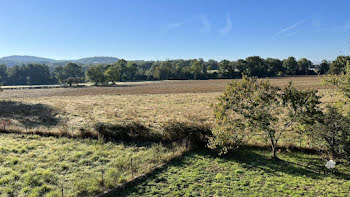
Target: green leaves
(342, 81)
(70, 70)
(250, 106)
(332, 132)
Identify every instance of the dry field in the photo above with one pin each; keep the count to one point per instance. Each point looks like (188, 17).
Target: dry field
(70, 109)
(156, 87)
(149, 103)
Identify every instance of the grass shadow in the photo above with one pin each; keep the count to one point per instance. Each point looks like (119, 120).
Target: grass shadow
(28, 115)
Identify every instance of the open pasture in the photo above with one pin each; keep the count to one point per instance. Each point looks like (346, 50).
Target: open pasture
(32, 165)
(248, 172)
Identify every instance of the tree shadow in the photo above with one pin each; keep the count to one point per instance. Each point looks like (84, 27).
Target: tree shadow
(248, 158)
(28, 115)
(252, 160)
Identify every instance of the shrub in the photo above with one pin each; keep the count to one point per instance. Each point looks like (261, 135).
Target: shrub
(195, 132)
(125, 132)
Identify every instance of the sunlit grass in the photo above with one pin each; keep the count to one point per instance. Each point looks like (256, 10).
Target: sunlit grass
(245, 173)
(31, 165)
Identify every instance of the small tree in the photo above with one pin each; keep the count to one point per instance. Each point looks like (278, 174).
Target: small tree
(250, 106)
(332, 133)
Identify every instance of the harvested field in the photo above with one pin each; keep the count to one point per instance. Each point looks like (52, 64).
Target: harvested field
(157, 87)
(151, 104)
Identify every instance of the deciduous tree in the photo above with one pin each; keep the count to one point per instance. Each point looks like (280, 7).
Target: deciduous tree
(112, 74)
(250, 106)
(332, 132)
(339, 64)
(290, 65)
(96, 74)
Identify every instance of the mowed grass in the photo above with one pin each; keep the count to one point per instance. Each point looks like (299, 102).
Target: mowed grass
(31, 165)
(245, 173)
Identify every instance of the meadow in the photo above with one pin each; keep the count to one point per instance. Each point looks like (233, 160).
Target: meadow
(32, 165)
(247, 172)
(37, 165)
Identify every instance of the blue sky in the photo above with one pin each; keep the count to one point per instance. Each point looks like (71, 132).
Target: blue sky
(171, 29)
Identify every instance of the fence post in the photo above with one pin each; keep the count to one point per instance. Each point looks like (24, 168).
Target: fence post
(132, 170)
(62, 194)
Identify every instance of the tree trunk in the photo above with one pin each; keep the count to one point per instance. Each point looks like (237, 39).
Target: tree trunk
(274, 152)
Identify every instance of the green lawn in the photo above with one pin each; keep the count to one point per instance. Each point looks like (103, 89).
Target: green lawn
(244, 173)
(31, 165)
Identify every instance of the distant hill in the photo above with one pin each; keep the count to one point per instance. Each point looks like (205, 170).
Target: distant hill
(27, 58)
(18, 60)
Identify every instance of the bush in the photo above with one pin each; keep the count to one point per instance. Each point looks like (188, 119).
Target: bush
(195, 133)
(125, 132)
(173, 131)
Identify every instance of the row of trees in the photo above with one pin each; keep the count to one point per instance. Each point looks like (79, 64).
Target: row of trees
(31, 74)
(34, 74)
(200, 69)
(119, 71)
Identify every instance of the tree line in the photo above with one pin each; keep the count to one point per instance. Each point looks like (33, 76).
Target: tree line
(194, 69)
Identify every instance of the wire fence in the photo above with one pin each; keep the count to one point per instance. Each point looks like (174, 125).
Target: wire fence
(131, 169)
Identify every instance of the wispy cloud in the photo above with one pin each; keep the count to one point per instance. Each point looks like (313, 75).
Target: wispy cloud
(292, 33)
(173, 26)
(228, 27)
(206, 25)
(289, 29)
